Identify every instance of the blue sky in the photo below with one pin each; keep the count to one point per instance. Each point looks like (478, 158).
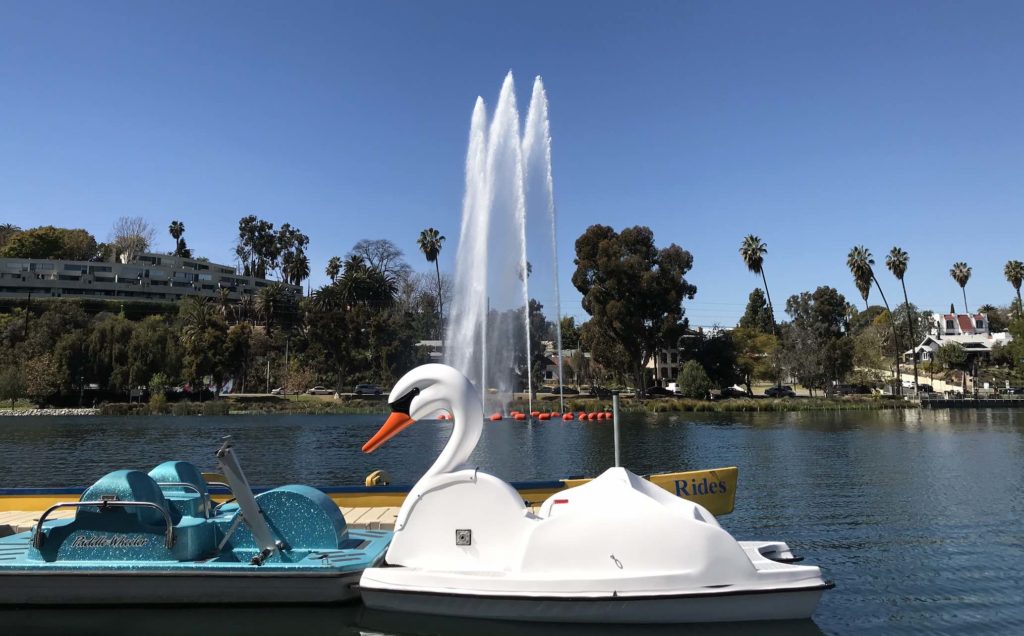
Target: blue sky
(816, 126)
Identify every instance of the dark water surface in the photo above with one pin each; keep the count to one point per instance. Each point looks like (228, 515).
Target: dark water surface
(918, 516)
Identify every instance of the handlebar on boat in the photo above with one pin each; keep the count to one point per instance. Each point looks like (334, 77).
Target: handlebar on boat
(187, 486)
(37, 535)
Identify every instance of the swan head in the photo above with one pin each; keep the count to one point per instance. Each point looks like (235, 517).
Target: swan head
(421, 392)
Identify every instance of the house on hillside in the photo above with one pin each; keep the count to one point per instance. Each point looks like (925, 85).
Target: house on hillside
(971, 331)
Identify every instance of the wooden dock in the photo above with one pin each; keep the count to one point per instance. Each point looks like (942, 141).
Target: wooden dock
(13, 522)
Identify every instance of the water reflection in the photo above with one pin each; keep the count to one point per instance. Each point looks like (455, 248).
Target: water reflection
(351, 620)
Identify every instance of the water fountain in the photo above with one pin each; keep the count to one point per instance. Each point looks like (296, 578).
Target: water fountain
(508, 200)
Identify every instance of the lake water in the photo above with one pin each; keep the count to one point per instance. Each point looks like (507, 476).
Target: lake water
(918, 516)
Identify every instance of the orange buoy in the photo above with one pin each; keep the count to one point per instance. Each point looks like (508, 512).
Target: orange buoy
(591, 416)
(600, 415)
(535, 413)
(495, 417)
(608, 415)
(567, 417)
(582, 415)
(555, 414)
(444, 416)
(513, 413)
(519, 416)
(544, 416)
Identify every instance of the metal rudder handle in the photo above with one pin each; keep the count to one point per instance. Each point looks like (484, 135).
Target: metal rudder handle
(247, 505)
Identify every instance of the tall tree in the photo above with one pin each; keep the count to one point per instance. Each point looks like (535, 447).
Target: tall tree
(961, 273)
(382, 255)
(857, 262)
(7, 232)
(757, 315)
(333, 268)
(633, 291)
(177, 230)
(752, 251)
(131, 236)
(50, 242)
(897, 261)
(257, 248)
(861, 265)
(430, 242)
(817, 347)
(1014, 272)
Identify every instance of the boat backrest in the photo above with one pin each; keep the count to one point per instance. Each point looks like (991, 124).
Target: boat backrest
(181, 472)
(129, 485)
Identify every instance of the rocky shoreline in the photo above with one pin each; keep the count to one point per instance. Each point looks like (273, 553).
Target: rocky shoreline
(59, 412)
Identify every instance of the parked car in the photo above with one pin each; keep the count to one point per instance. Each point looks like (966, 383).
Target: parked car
(780, 391)
(848, 389)
(367, 389)
(279, 391)
(732, 392)
(659, 391)
(564, 390)
(319, 390)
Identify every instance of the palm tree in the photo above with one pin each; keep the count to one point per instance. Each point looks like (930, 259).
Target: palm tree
(897, 261)
(269, 300)
(245, 310)
(333, 268)
(177, 229)
(430, 241)
(860, 262)
(961, 273)
(1014, 272)
(7, 231)
(224, 302)
(752, 251)
(300, 267)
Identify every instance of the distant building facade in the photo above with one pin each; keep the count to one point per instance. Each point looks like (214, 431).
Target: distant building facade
(149, 277)
(971, 331)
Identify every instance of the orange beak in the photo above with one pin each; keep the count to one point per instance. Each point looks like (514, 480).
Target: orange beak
(396, 423)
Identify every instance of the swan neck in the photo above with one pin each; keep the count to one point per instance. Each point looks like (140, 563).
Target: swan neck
(467, 425)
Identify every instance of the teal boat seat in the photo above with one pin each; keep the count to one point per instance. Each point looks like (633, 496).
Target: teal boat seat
(112, 534)
(185, 500)
(130, 485)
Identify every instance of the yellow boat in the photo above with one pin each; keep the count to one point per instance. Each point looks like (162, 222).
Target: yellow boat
(715, 489)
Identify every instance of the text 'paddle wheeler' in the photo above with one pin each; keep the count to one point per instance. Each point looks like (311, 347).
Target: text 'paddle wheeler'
(466, 545)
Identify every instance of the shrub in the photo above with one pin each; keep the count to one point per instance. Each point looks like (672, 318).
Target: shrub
(216, 407)
(693, 381)
(157, 403)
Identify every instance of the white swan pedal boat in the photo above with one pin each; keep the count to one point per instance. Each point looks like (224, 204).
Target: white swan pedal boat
(617, 549)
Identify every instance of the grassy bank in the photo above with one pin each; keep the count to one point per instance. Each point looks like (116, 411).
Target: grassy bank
(251, 405)
(746, 405)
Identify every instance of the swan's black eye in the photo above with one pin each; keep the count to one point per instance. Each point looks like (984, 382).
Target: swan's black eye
(401, 405)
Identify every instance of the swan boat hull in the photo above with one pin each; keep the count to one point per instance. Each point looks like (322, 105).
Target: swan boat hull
(497, 596)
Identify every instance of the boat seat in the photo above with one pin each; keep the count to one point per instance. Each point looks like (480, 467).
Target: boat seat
(135, 532)
(130, 485)
(185, 500)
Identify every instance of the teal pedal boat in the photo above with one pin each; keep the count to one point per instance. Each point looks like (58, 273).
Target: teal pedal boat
(158, 539)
